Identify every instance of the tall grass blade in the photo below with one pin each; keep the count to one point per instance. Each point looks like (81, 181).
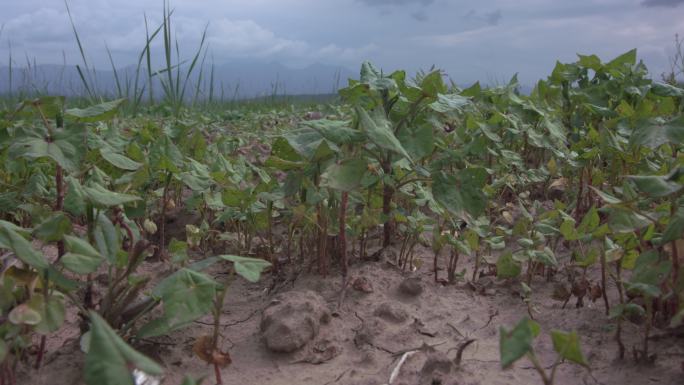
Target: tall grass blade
(86, 82)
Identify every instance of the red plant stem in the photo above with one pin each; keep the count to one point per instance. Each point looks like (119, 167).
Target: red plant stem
(673, 210)
(217, 373)
(387, 194)
(580, 191)
(675, 263)
(162, 223)
(343, 232)
(59, 205)
(319, 241)
(41, 352)
(386, 210)
(119, 219)
(603, 281)
(434, 266)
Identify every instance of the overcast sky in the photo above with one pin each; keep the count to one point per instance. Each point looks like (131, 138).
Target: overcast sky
(470, 40)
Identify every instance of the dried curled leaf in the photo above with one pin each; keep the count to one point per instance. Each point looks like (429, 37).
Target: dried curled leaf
(363, 285)
(204, 349)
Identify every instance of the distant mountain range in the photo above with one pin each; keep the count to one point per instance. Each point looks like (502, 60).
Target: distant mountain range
(235, 80)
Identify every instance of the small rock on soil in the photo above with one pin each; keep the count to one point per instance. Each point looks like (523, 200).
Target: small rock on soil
(292, 320)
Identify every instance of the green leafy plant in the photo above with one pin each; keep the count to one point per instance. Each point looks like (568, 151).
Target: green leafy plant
(517, 343)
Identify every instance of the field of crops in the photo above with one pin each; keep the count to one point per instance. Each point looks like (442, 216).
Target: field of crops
(411, 232)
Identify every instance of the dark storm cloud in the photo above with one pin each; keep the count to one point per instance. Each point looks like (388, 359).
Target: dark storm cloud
(661, 3)
(469, 39)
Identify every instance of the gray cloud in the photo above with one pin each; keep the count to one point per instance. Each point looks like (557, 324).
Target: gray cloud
(662, 3)
(492, 18)
(419, 15)
(378, 3)
(465, 38)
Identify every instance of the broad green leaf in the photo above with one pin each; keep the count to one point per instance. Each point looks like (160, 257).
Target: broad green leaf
(336, 131)
(655, 186)
(586, 259)
(345, 176)
(53, 228)
(590, 222)
(507, 267)
(165, 156)
(102, 197)
(546, 257)
(620, 310)
(567, 345)
(50, 106)
(653, 133)
(121, 161)
(195, 182)
(545, 228)
(664, 89)
(310, 144)
(675, 228)
(432, 84)
(23, 314)
(379, 131)
(61, 151)
(368, 72)
(10, 239)
(248, 268)
(567, 229)
(186, 295)
(26, 233)
(463, 193)
(75, 200)
(626, 59)
(52, 312)
(96, 113)
(110, 360)
(623, 220)
(514, 344)
(178, 250)
(651, 269)
(63, 283)
(82, 258)
(592, 61)
(488, 131)
(418, 141)
(605, 196)
(447, 103)
(192, 381)
(525, 242)
(79, 263)
(282, 164)
(282, 149)
(80, 246)
(107, 239)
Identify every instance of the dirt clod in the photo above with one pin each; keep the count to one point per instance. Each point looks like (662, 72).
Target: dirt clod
(363, 285)
(436, 365)
(411, 287)
(392, 312)
(292, 320)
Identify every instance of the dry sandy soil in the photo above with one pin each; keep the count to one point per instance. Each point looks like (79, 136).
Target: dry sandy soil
(360, 345)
